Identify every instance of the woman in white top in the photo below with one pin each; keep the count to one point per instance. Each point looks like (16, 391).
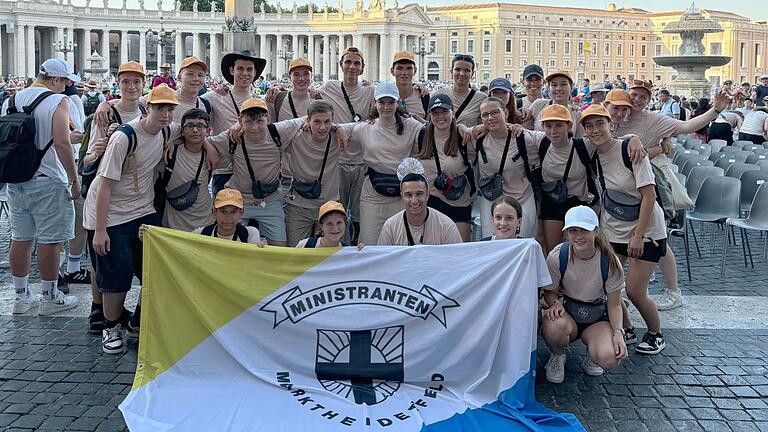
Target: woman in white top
(755, 126)
(503, 170)
(590, 307)
(385, 142)
(632, 219)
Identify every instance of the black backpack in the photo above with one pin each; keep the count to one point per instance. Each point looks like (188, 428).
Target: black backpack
(241, 232)
(91, 104)
(88, 126)
(19, 156)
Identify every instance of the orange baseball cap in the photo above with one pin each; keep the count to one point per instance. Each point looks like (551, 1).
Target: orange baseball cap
(131, 66)
(618, 97)
(228, 196)
(402, 57)
(299, 62)
(555, 112)
(329, 207)
(162, 94)
(254, 103)
(557, 73)
(353, 50)
(189, 61)
(595, 110)
(645, 85)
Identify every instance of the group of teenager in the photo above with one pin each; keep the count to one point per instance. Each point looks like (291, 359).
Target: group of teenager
(353, 163)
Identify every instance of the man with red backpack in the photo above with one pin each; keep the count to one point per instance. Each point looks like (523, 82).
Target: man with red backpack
(165, 77)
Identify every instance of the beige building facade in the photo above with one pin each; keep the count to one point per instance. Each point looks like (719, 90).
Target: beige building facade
(503, 38)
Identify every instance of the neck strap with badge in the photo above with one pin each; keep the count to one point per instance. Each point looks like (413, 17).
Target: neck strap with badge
(408, 229)
(355, 117)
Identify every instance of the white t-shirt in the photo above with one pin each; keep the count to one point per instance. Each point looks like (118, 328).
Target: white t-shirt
(754, 122)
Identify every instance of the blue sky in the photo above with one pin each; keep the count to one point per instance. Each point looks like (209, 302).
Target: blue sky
(742, 7)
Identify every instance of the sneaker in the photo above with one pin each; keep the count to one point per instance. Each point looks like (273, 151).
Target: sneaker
(81, 276)
(591, 368)
(669, 300)
(132, 331)
(62, 284)
(630, 336)
(23, 303)
(651, 344)
(96, 322)
(555, 368)
(59, 303)
(112, 340)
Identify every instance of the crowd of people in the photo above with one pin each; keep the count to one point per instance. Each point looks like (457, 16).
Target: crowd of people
(352, 163)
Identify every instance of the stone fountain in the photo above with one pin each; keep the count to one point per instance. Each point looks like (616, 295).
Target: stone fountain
(97, 69)
(691, 63)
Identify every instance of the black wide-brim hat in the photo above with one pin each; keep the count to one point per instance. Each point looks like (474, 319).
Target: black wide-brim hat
(229, 61)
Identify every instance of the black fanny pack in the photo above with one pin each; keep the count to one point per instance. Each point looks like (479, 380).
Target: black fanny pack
(586, 313)
(385, 184)
(261, 190)
(184, 196)
(491, 187)
(556, 191)
(621, 206)
(452, 188)
(309, 190)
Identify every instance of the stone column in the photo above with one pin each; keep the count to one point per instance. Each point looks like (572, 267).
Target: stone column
(367, 57)
(143, 48)
(295, 45)
(196, 45)
(123, 46)
(215, 66)
(31, 62)
(279, 62)
(311, 52)
(20, 40)
(384, 57)
(263, 46)
(105, 47)
(178, 52)
(59, 37)
(85, 48)
(326, 57)
(71, 55)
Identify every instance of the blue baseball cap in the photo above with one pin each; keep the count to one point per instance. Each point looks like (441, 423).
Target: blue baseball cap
(500, 84)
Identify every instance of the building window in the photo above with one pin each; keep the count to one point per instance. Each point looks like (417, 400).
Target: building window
(486, 46)
(631, 65)
(437, 18)
(642, 65)
(618, 65)
(594, 64)
(454, 46)
(486, 62)
(553, 47)
(758, 55)
(523, 62)
(643, 50)
(486, 76)
(470, 45)
(580, 50)
(508, 46)
(538, 47)
(607, 51)
(606, 65)
(433, 46)
(433, 34)
(619, 49)
(743, 54)
(716, 48)
(631, 50)
(552, 63)
(566, 63)
(658, 49)
(508, 62)
(567, 47)
(523, 46)
(454, 33)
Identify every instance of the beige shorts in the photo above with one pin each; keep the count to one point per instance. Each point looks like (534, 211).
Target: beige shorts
(300, 223)
(351, 178)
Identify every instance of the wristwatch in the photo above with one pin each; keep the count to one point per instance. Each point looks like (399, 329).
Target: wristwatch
(620, 330)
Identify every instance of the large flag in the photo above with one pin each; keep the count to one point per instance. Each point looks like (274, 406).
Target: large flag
(434, 338)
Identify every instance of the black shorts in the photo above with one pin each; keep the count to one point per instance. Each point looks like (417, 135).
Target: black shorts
(550, 210)
(756, 139)
(581, 327)
(651, 253)
(457, 214)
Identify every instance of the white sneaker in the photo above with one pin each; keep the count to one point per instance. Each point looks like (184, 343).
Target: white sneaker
(59, 303)
(112, 340)
(23, 305)
(669, 300)
(591, 368)
(555, 368)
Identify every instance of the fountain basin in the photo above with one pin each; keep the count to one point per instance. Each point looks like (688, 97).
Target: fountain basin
(695, 61)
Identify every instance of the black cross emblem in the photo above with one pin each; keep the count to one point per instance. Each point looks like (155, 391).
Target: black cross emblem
(360, 371)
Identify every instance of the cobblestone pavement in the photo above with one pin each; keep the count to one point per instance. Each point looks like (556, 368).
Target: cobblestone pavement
(54, 377)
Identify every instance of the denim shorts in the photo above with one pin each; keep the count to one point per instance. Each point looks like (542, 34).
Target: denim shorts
(271, 219)
(41, 209)
(116, 269)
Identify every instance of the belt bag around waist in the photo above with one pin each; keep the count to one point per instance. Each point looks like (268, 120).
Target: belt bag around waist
(556, 191)
(309, 190)
(261, 190)
(385, 184)
(621, 206)
(452, 188)
(184, 196)
(491, 187)
(586, 313)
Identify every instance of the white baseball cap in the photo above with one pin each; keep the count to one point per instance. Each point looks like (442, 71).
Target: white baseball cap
(386, 89)
(581, 217)
(54, 67)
